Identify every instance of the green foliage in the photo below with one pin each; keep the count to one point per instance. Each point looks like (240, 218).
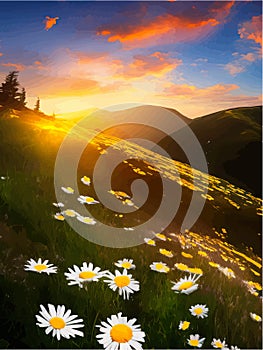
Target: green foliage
(28, 230)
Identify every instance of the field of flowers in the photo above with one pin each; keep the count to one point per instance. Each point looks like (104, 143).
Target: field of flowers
(200, 288)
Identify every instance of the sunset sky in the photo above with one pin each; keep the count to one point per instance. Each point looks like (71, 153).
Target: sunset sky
(197, 57)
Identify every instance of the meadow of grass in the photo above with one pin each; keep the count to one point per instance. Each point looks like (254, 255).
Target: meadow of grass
(28, 230)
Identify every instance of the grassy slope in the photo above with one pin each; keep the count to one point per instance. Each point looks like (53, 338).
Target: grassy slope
(231, 140)
(29, 230)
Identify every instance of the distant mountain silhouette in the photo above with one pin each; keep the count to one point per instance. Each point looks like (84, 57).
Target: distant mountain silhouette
(231, 140)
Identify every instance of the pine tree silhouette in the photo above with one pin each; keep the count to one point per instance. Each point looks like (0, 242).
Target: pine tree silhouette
(22, 98)
(9, 90)
(37, 105)
(10, 97)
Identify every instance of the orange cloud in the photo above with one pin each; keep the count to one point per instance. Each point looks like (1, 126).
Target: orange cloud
(252, 30)
(193, 92)
(50, 22)
(16, 66)
(167, 25)
(156, 64)
(168, 28)
(194, 101)
(51, 87)
(1, 54)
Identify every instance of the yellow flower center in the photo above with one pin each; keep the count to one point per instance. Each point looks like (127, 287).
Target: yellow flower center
(86, 179)
(186, 255)
(70, 213)
(159, 266)
(88, 220)
(186, 285)
(87, 274)
(165, 252)
(60, 217)
(202, 253)
(89, 199)
(198, 311)
(218, 344)
(196, 271)
(126, 265)
(257, 318)
(185, 325)
(121, 333)
(213, 264)
(151, 242)
(122, 281)
(57, 322)
(161, 236)
(40, 267)
(194, 342)
(182, 267)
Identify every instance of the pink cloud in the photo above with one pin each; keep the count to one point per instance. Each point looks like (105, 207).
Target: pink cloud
(250, 57)
(16, 66)
(252, 30)
(235, 67)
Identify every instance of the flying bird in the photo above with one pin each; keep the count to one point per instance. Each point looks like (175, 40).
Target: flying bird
(50, 22)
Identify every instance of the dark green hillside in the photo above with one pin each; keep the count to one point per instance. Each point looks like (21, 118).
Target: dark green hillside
(231, 140)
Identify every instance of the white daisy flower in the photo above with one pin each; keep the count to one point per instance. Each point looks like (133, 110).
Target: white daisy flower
(128, 202)
(69, 212)
(85, 180)
(218, 344)
(186, 285)
(128, 228)
(120, 334)
(39, 266)
(68, 190)
(58, 205)
(196, 341)
(234, 347)
(124, 282)
(59, 217)
(149, 241)
(159, 267)
(183, 325)
(181, 266)
(255, 317)
(61, 323)
(86, 273)
(165, 252)
(160, 236)
(86, 220)
(3, 178)
(119, 194)
(229, 273)
(125, 264)
(87, 200)
(199, 310)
